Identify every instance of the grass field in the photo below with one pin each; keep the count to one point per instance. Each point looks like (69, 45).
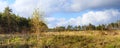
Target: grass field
(67, 39)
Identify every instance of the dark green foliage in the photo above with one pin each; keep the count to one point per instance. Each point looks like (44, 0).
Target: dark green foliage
(61, 28)
(91, 27)
(77, 28)
(69, 27)
(111, 26)
(100, 27)
(11, 23)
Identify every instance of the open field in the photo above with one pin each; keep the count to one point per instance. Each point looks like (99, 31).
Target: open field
(67, 39)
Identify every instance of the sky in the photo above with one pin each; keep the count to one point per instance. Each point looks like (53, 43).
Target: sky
(67, 12)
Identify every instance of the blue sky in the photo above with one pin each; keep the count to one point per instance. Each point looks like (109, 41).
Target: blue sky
(10, 1)
(67, 12)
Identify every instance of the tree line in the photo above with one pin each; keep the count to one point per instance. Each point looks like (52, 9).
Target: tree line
(111, 26)
(12, 23)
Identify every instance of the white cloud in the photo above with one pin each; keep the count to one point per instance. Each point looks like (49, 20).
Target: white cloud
(77, 5)
(50, 19)
(26, 7)
(80, 5)
(101, 17)
(94, 17)
(53, 22)
(3, 4)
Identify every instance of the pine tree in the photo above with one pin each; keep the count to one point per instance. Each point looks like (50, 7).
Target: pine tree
(7, 13)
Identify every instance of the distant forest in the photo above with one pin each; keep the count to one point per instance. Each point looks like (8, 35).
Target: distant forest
(111, 26)
(12, 23)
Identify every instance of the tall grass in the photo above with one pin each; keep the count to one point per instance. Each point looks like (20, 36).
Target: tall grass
(74, 39)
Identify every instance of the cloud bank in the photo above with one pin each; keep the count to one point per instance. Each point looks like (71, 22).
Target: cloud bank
(94, 17)
(25, 7)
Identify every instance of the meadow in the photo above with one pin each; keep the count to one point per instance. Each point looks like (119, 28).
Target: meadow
(65, 39)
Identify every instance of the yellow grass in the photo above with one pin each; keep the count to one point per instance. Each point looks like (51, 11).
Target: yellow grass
(65, 39)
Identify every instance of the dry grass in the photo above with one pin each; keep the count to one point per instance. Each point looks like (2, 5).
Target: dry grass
(66, 39)
(86, 33)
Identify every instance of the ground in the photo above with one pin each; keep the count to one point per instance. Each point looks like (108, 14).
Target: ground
(66, 39)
